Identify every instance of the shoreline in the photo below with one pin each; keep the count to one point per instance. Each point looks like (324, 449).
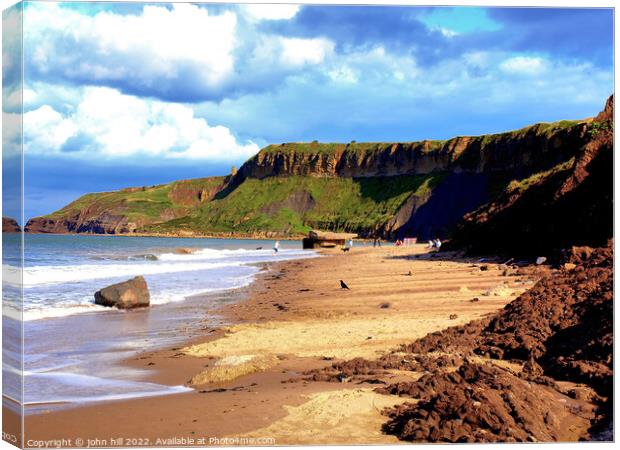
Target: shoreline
(294, 319)
(241, 237)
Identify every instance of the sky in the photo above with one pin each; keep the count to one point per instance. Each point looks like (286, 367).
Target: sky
(119, 95)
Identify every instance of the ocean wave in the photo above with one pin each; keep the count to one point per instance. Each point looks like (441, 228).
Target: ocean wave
(42, 275)
(64, 309)
(202, 259)
(106, 388)
(54, 291)
(209, 254)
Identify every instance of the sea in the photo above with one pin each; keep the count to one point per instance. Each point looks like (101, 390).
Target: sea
(72, 348)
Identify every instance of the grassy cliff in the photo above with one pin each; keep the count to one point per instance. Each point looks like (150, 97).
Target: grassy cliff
(390, 189)
(294, 205)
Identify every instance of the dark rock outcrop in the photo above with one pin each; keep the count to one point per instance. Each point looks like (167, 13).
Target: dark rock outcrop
(572, 205)
(10, 225)
(129, 294)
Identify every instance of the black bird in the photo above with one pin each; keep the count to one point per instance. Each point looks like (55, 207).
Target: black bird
(259, 248)
(343, 285)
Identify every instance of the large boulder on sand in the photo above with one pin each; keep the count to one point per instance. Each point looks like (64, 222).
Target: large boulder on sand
(129, 294)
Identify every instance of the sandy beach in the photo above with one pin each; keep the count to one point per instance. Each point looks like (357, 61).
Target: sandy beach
(294, 318)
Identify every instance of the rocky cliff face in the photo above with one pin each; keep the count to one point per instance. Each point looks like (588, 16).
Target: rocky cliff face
(572, 204)
(436, 213)
(10, 225)
(127, 210)
(393, 190)
(91, 220)
(530, 148)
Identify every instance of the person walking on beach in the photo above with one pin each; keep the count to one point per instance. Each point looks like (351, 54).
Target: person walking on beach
(276, 246)
(348, 246)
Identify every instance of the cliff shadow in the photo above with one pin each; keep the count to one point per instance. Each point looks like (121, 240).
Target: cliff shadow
(382, 188)
(457, 195)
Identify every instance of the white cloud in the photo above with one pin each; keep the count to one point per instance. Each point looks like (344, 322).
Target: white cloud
(11, 134)
(147, 51)
(527, 65)
(297, 52)
(276, 54)
(381, 66)
(112, 125)
(180, 52)
(270, 11)
(446, 32)
(11, 37)
(343, 74)
(51, 128)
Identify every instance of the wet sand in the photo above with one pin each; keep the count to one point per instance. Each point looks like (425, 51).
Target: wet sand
(296, 318)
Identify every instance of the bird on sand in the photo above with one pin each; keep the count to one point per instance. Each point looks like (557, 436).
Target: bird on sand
(343, 285)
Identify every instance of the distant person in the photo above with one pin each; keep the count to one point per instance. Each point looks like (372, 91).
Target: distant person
(276, 246)
(437, 244)
(374, 242)
(350, 243)
(431, 244)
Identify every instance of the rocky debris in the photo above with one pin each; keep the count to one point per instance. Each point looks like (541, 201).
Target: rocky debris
(357, 369)
(564, 317)
(10, 225)
(129, 294)
(483, 403)
(578, 255)
(364, 370)
(560, 330)
(460, 339)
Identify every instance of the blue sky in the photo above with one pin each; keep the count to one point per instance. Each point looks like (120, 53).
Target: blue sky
(125, 94)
